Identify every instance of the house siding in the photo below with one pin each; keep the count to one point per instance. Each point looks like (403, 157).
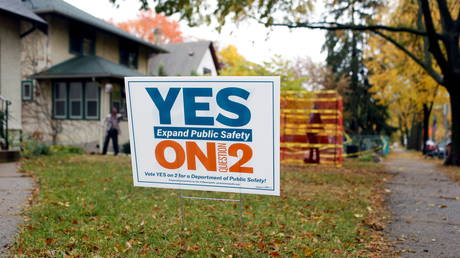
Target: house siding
(58, 33)
(207, 62)
(83, 133)
(143, 61)
(10, 76)
(40, 52)
(107, 47)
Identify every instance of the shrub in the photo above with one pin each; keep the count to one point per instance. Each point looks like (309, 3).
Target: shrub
(66, 149)
(126, 148)
(33, 147)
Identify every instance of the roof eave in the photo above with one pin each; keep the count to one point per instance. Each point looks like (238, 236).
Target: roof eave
(76, 76)
(139, 41)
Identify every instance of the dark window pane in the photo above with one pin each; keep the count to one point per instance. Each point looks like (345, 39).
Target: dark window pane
(60, 108)
(60, 91)
(87, 46)
(91, 108)
(206, 70)
(75, 91)
(81, 40)
(75, 108)
(75, 43)
(91, 91)
(129, 54)
(27, 91)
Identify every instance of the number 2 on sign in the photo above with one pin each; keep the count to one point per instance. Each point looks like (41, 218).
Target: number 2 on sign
(209, 159)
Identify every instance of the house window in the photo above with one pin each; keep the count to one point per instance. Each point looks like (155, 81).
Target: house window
(27, 90)
(129, 54)
(206, 71)
(76, 100)
(60, 100)
(91, 100)
(82, 40)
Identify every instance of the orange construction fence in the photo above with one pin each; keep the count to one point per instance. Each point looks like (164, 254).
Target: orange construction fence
(311, 128)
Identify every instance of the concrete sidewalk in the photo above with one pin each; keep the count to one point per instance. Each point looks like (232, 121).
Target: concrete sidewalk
(426, 209)
(15, 188)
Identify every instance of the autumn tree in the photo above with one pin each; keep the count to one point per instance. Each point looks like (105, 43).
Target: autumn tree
(235, 64)
(399, 81)
(440, 29)
(153, 27)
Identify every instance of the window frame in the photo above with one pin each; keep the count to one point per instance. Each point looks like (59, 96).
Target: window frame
(98, 102)
(126, 47)
(83, 108)
(77, 35)
(54, 99)
(70, 100)
(30, 83)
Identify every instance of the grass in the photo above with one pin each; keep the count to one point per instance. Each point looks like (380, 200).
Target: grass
(86, 205)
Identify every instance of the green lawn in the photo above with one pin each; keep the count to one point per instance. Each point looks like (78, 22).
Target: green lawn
(86, 205)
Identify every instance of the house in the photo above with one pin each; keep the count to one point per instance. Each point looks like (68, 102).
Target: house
(189, 58)
(73, 74)
(12, 14)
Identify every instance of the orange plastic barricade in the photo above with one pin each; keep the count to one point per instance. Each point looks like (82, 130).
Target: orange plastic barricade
(311, 128)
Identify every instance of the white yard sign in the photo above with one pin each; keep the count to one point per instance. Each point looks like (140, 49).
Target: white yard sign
(205, 133)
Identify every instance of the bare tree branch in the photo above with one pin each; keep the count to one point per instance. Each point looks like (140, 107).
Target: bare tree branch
(357, 27)
(426, 52)
(437, 77)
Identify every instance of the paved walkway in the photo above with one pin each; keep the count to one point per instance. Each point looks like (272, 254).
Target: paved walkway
(426, 209)
(14, 190)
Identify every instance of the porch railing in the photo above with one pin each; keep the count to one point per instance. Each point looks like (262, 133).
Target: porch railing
(4, 103)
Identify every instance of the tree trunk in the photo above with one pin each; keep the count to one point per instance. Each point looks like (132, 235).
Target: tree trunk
(454, 155)
(415, 136)
(426, 126)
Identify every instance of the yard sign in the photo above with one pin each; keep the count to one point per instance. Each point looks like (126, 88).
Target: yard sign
(205, 133)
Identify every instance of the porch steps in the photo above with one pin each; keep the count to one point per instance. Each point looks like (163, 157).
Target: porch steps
(9, 156)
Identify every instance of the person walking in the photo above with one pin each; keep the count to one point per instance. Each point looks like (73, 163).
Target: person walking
(112, 126)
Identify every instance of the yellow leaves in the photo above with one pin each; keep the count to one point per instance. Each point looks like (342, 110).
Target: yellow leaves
(65, 204)
(230, 56)
(308, 252)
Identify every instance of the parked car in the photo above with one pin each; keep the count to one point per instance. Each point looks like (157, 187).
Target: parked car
(442, 148)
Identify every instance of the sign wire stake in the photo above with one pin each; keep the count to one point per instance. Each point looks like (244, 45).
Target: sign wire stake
(241, 224)
(181, 215)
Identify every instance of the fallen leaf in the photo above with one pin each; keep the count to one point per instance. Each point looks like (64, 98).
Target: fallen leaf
(308, 252)
(49, 241)
(195, 247)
